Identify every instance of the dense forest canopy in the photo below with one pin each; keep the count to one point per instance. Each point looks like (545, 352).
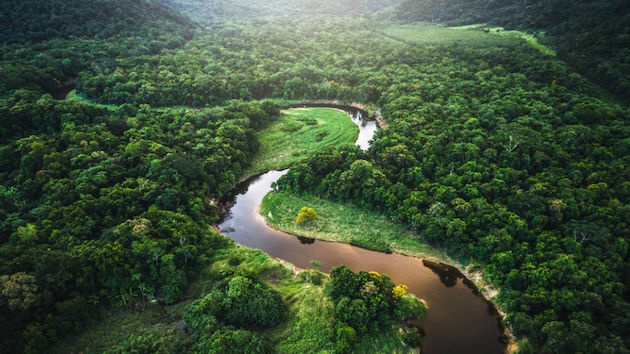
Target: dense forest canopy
(499, 153)
(219, 10)
(593, 36)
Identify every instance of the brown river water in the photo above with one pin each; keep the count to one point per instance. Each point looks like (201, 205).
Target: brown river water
(459, 320)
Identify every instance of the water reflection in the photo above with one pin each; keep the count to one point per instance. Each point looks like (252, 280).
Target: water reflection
(306, 240)
(448, 275)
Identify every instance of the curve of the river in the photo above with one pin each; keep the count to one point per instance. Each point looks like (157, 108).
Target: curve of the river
(458, 321)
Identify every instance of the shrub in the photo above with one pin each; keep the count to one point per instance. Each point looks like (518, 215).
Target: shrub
(250, 304)
(413, 337)
(305, 216)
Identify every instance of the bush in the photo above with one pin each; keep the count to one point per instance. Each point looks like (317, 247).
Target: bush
(409, 307)
(234, 260)
(316, 279)
(305, 216)
(413, 337)
(346, 337)
(154, 342)
(228, 340)
(250, 304)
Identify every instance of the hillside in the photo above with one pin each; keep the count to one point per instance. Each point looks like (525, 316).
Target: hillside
(33, 21)
(593, 36)
(217, 10)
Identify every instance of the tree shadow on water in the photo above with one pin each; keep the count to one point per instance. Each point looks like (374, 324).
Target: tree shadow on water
(448, 275)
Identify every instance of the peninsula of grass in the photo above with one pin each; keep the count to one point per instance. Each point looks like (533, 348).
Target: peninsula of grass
(345, 223)
(298, 134)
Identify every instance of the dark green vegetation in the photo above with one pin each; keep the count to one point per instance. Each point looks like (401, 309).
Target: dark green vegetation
(487, 156)
(112, 206)
(218, 10)
(495, 151)
(218, 319)
(593, 36)
(366, 303)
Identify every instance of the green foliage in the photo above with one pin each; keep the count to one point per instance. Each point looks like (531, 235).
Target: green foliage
(152, 342)
(346, 338)
(114, 204)
(29, 20)
(413, 337)
(493, 150)
(239, 9)
(591, 35)
(249, 304)
(503, 155)
(366, 302)
(218, 321)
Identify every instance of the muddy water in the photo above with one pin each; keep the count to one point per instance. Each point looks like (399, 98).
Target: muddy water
(459, 321)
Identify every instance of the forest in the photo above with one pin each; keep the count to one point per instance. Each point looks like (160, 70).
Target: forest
(125, 124)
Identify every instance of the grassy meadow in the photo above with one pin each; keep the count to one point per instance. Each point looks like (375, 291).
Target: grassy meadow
(345, 223)
(299, 133)
(477, 35)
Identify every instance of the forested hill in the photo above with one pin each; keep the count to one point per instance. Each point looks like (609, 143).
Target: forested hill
(45, 44)
(593, 36)
(35, 20)
(226, 9)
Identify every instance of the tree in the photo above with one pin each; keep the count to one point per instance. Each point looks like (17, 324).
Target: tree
(306, 216)
(18, 290)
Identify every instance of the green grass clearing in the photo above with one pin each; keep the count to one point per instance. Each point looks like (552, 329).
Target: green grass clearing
(77, 97)
(346, 223)
(298, 134)
(476, 35)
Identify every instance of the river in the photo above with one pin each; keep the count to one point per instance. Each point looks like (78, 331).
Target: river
(458, 321)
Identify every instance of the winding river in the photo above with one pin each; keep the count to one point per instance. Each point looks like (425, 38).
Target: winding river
(458, 321)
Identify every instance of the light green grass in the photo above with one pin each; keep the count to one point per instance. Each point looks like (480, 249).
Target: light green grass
(421, 33)
(298, 134)
(527, 37)
(117, 324)
(345, 223)
(77, 97)
(476, 35)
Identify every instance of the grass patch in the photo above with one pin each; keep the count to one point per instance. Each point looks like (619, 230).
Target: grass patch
(531, 39)
(421, 33)
(117, 324)
(345, 223)
(77, 97)
(299, 133)
(477, 35)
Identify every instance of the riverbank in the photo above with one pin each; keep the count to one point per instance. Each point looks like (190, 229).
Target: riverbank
(347, 224)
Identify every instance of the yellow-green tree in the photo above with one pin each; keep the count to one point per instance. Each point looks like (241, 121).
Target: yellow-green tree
(305, 216)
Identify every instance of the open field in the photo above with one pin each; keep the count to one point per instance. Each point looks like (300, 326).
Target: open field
(477, 35)
(299, 133)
